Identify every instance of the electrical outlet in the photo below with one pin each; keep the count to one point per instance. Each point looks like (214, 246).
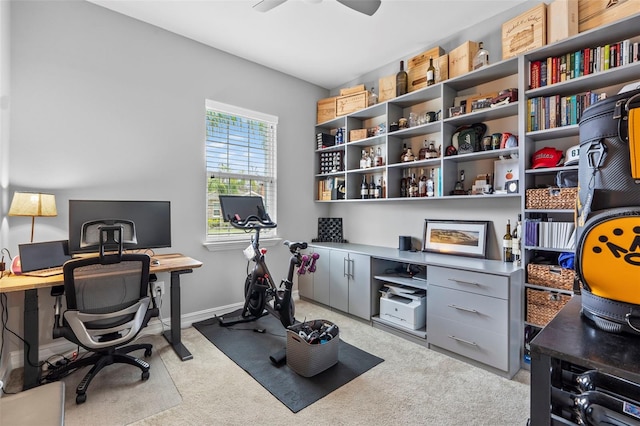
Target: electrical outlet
(158, 288)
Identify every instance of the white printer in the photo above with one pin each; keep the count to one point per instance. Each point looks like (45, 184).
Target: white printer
(404, 306)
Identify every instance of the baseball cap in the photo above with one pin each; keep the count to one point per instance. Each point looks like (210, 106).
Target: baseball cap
(572, 157)
(546, 157)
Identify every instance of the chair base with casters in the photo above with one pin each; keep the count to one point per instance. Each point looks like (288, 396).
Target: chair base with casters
(102, 359)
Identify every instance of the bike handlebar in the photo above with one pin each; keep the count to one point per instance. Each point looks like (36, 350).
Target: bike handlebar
(294, 247)
(252, 222)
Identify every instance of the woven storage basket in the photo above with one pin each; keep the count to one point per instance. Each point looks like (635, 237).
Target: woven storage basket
(542, 305)
(550, 276)
(551, 198)
(310, 359)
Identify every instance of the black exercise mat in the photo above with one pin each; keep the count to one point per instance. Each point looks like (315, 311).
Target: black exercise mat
(251, 351)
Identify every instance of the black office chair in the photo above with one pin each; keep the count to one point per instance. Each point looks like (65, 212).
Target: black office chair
(108, 303)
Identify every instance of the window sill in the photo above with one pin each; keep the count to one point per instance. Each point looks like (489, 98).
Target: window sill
(233, 245)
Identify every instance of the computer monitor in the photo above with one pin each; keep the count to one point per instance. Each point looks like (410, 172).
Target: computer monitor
(147, 224)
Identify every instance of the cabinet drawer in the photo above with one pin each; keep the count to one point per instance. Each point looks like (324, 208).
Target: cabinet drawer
(487, 313)
(473, 282)
(476, 343)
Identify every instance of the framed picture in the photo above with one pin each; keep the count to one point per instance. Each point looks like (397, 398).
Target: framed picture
(458, 237)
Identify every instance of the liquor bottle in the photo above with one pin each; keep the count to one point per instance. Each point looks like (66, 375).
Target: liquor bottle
(408, 156)
(431, 192)
(516, 240)
(363, 160)
(482, 57)
(413, 186)
(507, 248)
(379, 190)
(378, 160)
(422, 184)
(402, 80)
(403, 185)
(364, 188)
(404, 152)
(431, 73)
(373, 98)
(369, 159)
(422, 154)
(372, 189)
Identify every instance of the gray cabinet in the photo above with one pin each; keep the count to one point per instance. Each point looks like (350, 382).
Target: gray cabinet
(475, 315)
(350, 283)
(315, 286)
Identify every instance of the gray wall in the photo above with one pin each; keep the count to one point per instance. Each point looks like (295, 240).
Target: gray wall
(107, 107)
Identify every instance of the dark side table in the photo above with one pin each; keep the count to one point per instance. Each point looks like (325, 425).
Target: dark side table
(569, 341)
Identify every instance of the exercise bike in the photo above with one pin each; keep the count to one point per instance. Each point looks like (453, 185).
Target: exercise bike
(259, 288)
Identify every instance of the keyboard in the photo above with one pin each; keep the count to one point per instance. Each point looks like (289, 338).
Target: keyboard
(49, 272)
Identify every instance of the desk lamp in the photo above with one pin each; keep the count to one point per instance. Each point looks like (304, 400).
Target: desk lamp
(33, 204)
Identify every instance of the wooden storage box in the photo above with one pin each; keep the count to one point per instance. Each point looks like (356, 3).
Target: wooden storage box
(418, 74)
(386, 88)
(351, 103)
(593, 13)
(461, 58)
(357, 134)
(326, 110)
(552, 276)
(551, 198)
(423, 58)
(351, 90)
(525, 32)
(562, 20)
(543, 305)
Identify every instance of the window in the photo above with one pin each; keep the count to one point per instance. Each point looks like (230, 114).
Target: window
(241, 160)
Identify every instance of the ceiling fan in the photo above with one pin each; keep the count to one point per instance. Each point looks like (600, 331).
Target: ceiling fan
(368, 7)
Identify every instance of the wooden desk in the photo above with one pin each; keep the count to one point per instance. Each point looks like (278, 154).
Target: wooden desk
(176, 264)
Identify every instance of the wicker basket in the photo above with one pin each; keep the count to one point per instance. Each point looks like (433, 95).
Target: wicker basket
(551, 198)
(550, 276)
(542, 306)
(310, 359)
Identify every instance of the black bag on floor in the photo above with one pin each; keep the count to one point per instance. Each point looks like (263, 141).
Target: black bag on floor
(608, 216)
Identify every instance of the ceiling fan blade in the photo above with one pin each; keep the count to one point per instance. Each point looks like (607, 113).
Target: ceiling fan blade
(265, 5)
(368, 7)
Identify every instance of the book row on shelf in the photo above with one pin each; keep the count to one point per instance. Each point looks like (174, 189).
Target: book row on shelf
(556, 69)
(548, 112)
(552, 235)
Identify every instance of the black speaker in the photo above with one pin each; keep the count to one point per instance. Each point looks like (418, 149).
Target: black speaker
(404, 243)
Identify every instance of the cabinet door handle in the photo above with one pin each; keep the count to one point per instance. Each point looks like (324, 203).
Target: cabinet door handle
(345, 267)
(463, 341)
(351, 268)
(461, 308)
(464, 282)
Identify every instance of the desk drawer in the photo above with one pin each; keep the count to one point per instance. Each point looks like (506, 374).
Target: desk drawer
(473, 282)
(476, 343)
(487, 313)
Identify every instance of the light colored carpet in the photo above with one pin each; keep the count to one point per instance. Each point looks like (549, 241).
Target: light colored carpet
(414, 386)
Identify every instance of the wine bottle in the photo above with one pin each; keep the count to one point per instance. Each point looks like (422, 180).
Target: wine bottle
(364, 188)
(402, 80)
(516, 238)
(413, 186)
(379, 192)
(482, 57)
(422, 185)
(431, 73)
(507, 248)
(372, 189)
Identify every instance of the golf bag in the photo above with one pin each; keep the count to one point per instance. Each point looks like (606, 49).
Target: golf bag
(608, 213)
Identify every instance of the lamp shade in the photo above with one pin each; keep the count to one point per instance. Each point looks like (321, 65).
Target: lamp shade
(33, 204)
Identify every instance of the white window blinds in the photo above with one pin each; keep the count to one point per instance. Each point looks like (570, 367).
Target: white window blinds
(241, 160)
